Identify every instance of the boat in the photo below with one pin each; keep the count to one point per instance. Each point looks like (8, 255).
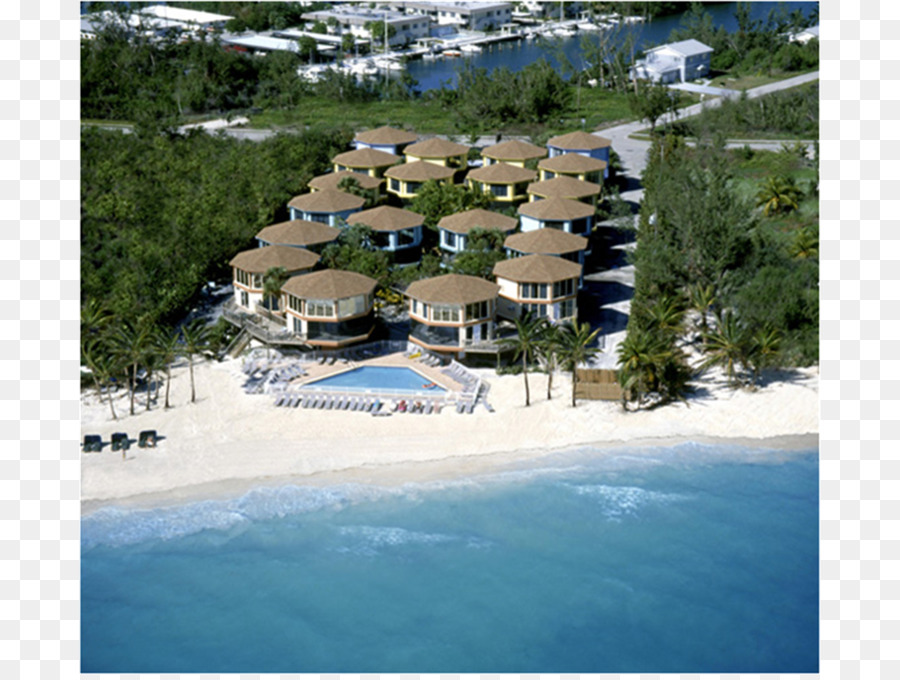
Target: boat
(452, 53)
(588, 26)
(563, 32)
(364, 68)
(388, 64)
(471, 49)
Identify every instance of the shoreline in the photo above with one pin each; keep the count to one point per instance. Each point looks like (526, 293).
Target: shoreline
(224, 445)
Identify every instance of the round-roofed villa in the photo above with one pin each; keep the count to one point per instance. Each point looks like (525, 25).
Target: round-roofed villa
(330, 308)
(395, 230)
(452, 312)
(565, 187)
(575, 165)
(454, 229)
(385, 138)
(438, 151)
(325, 206)
(404, 181)
(514, 152)
(332, 181)
(542, 284)
(298, 234)
(503, 182)
(564, 214)
(365, 161)
(583, 143)
(250, 266)
(547, 242)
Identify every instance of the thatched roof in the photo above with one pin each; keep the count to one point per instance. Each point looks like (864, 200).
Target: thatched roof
(452, 289)
(332, 179)
(546, 242)
(572, 162)
(327, 201)
(436, 148)
(298, 233)
(537, 269)
(419, 171)
(260, 260)
(514, 150)
(386, 135)
(579, 140)
(556, 209)
(387, 218)
(329, 284)
(464, 222)
(564, 187)
(502, 173)
(366, 158)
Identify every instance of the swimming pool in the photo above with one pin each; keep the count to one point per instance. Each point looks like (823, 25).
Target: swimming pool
(393, 379)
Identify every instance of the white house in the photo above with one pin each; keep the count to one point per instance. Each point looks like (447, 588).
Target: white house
(353, 19)
(474, 16)
(680, 61)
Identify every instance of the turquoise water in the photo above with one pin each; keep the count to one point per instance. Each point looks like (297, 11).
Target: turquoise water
(384, 378)
(680, 560)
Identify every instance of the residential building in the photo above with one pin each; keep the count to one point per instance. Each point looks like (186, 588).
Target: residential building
(365, 161)
(450, 312)
(385, 138)
(332, 181)
(551, 242)
(207, 21)
(674, 62)
(404, 181)
(354, 19)
(250, 266)
(565, 187)
(394, 230)
(330, 308)
(326, 206)
(454, 229)
(438, 151)
(563, 214)
(585, 168)
(542, 284)
(474, 16)
(583, 143)
(514, 152)
(313, 236)
(505, 184)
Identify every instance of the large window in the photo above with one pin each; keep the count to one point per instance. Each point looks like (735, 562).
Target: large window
(445, 313)
(413, 187)
(563, 288)
(407, 237)
(434, 335)
(395, 184)
(351, 306)
(324, 218)
(539, 310)
(242, 277)
(450, 239)
(322, 308)
(554, 224)
(477, 310)
(533, 291)
(294, 303)
(499, 190)
(567, 308)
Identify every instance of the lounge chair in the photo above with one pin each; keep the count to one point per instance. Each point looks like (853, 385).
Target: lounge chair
(120, 441)
(92, 442)
(460, 405)
(370, 406)
(470, 407)
(309, 402)
(281, 399)
(147, 439)
(376, 407)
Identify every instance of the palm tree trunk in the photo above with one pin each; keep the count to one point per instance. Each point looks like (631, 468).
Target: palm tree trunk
(574, 382)
(134, 369)
(168, 382)
(525, 375)
(191, 367)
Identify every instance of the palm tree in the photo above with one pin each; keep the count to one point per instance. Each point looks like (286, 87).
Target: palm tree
(641, 354)
(805, 244)
(702, 299)
(525, 344)
(778, 194)
(195, 336)
(548, 351)
(130, 345)
(95, 319)
(727, 347)
(765, 346)
(576, 349)
(273, 280)
(168, 346)
(666, 314)
(101, 367)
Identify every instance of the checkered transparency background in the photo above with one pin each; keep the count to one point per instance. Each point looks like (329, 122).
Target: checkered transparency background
(39, 425)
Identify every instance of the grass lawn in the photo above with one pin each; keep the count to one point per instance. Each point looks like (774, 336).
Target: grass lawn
(733, 81)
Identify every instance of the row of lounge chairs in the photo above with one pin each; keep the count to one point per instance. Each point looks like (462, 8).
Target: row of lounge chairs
(329, 402)
(427, 407)
(120, 441)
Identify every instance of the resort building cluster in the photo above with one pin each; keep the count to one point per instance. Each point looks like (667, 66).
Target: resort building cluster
(553, 190)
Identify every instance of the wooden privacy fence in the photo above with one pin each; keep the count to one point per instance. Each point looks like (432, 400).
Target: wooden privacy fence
(597, 383)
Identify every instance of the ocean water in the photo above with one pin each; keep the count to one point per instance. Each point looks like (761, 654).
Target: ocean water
(683, 559)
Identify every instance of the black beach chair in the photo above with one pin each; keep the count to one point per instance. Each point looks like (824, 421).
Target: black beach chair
(120, 441)
(92, 442)
(147, 439)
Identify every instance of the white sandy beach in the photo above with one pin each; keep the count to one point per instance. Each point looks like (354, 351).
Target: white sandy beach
(228, 440)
